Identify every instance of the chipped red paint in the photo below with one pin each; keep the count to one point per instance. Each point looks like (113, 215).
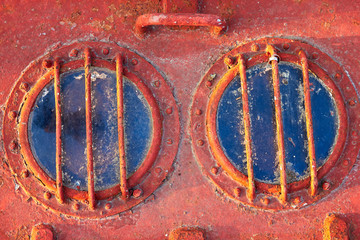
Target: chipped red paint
(182, 58)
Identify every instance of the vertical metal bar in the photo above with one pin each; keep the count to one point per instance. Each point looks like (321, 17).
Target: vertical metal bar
(279, 124)
(309, 125)
(120, 112)
(89, 137)
(247, 128)
(59, 179)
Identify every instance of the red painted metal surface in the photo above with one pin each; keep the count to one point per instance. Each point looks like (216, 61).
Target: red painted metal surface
(172, 194)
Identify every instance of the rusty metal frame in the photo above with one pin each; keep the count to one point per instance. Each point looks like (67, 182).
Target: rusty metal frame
(151, 172)
(211, 156)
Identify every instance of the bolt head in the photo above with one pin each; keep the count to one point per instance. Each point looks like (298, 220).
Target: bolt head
(47, 195)
(255, 47)
(137, 193)
(286, 46)
(107, 206)
(25, 173)
(157, 83)
(24, 87)
(76, 206)
(297, 200)
(346, 162)
(169, 110)
(73, 53)
(326, 185)
(265, 201)
(352, 103)
(169, 141)
(229, 61)
(134, 62)
(12, 115)
(13, 145)
(198, 112)
(214, 170)
(200, 142)
(158, 170)
(105, 51)
(209, 83)
(315, 56)
(47, 63)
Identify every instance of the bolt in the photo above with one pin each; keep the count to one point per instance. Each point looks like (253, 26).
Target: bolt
(169, 141)
(47, 63)
(134, 62)
(209, 83)
(24, 87)
(76, 206)
(214, 170)
(352, 103)
(107, 206)
(47, 195)
(13, 145)
(286, 46)
(255, 47)
(198, 112)
(346, 162)
(200, 142)
(229, 61)
(12, 115)
(169, 110)
(326, 185)
(137, 193)
(105, 51)
(158, 170)
(42, 232)
(265, 201)
(297, 200)
(73, 53)
(157, 83)
(315, 56)
(237, 192)
(337, 76)
(25, 173)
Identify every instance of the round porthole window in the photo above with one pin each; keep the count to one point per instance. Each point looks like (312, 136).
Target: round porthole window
(271, 121)
(92, 130)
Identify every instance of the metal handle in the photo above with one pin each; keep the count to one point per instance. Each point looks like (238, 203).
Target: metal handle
(216, 24)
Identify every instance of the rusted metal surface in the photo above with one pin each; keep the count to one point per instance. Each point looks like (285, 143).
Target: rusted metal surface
(335, 228)
(215, 23)
(279, 121)
(120, 111)
(309, 124)
(182, 184)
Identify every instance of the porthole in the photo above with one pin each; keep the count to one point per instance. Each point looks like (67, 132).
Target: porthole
(89, 136)
(270, 124)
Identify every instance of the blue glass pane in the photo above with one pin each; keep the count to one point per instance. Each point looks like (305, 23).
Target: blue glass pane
(137, 120)
(261, 105)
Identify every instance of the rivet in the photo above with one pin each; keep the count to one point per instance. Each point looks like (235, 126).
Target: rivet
(25, 173)
(169, 110)
(209, 83)
(47, 195)
(76, 206)
(315, 56)
(158, 170)
(47, 63)
(255, 47)
(107, 206)
(13, 145)
(337, 76)
(352, 103)
(73, 53)
(214, 170)
(198, 112)
(157, 83)
(200, 142)
(237, 192)
(229, 61)
(134, 61)
(12, 115)
(286, 46)
(105, 51)
(24, 86)
(137, 193)
(169, 141)
(345, 162)
(326, 186)
(297, 200)
(265, 201)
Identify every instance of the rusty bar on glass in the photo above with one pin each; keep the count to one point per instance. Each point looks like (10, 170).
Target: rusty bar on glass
(120, 117)
(59, 178)
(89, 135)
(247, 128)
(274, 58)
(309, 124)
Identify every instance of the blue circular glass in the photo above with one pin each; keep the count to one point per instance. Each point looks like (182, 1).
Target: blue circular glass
(137, 126)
